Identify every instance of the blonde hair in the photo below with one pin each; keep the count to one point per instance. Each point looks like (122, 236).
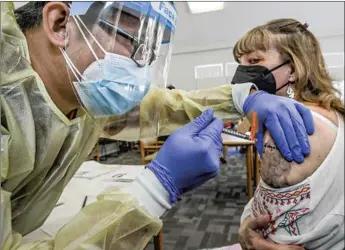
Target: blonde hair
(295, 42)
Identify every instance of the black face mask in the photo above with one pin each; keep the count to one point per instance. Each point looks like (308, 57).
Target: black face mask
(259, 75)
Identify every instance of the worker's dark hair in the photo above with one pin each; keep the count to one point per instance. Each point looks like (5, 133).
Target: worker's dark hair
(29, 16)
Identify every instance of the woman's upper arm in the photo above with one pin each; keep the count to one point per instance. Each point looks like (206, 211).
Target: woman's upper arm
(278, 172)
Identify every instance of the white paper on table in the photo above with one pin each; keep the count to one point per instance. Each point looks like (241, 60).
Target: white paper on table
(92, 188)
(79, 187)
(123, 173)
(92, 169)
(72, 198)
(61, 215)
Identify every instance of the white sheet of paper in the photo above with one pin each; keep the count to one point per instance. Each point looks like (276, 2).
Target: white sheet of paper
(102, 178)
(93, 169)
(61, 215)
(123, 173)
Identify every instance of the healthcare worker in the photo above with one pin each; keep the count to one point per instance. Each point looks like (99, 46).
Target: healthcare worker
(73, 71)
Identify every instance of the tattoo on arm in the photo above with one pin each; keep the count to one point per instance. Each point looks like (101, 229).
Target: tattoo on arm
(274, 168)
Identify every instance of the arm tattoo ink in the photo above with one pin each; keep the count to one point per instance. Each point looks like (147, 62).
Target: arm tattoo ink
(274, 168)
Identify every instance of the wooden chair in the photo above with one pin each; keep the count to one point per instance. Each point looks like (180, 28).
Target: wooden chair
(256, 167)
(148, 151)
(253, 130)
(95, 153)
(252, 155)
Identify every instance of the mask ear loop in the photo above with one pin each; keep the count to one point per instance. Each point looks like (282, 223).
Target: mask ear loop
(283, 86)
(92, 36)
(86, 40)
(75, 72)
(71, 65)
(284, 63)
(281, 65)
(73, 68)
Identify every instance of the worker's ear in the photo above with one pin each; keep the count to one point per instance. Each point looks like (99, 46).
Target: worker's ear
(54, 19)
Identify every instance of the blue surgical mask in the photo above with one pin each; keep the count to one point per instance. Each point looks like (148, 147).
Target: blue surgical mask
(113, 85)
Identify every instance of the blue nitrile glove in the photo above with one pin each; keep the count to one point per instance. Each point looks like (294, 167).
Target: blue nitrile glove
(288, 121)
(190, 156)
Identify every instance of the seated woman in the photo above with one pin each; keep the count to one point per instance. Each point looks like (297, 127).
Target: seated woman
(305, 202)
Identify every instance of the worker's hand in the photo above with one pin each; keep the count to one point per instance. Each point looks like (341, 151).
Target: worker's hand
(288, 121)
(190, 156)
(251, 240)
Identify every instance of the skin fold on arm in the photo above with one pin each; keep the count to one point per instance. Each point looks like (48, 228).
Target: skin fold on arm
(277, 172)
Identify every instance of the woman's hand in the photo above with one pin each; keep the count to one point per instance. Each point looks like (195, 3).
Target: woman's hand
(251, 240)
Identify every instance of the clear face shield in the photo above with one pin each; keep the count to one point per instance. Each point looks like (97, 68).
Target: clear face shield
(116, 52)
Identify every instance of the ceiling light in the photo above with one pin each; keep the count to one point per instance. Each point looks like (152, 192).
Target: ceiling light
(201, 7)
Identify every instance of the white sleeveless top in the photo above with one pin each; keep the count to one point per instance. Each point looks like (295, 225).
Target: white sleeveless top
(310, 213)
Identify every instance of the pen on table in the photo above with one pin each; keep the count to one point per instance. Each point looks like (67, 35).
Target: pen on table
(84, 202)
(118, 175)
(59, 204)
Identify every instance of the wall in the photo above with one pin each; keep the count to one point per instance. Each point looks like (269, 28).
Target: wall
(183, 64)
(207, 38)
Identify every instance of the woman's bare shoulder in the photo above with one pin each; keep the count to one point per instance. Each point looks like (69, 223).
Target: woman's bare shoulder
(277, 172)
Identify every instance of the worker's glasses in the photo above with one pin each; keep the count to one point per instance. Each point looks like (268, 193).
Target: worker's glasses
(141, 54)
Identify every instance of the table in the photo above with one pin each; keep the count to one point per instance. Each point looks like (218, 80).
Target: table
(232, 141)
(91, 179)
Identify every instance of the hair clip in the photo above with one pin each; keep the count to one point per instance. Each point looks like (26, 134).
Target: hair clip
(303, 27)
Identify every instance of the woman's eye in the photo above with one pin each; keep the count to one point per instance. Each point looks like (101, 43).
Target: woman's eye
(253, 61)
